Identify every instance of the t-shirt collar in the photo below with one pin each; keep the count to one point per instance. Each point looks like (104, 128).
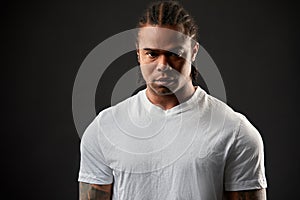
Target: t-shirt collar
(182, 107)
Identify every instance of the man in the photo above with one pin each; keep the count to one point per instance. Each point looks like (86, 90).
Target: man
(171, 140)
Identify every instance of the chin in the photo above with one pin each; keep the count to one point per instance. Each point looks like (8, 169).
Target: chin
(161, 90)
(164, 92)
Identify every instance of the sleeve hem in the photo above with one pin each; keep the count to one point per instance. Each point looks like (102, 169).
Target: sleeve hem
(246, 185)
(91, 179)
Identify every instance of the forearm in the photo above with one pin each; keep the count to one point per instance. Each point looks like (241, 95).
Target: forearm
(247, 195)
(95, 192)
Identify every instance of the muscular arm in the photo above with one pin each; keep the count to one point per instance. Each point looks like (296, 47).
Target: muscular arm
(247, 195)
(95, 192)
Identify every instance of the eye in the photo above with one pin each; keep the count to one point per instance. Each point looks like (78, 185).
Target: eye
(152, 54)
(177, 54)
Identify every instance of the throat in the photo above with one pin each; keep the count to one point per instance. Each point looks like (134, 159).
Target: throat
(165, 102)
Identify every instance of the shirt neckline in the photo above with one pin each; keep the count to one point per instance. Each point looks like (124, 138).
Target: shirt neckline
(182, 107)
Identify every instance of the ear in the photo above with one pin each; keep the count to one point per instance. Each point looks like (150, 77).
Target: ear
(195, 51)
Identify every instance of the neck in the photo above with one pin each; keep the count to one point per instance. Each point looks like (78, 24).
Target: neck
(171, 100)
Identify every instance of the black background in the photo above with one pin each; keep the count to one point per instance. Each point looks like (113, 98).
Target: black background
(254, 44)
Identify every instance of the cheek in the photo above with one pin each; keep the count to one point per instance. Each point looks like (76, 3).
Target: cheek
(144, 72)
(184, 68)
(187, 69)
(147, 71)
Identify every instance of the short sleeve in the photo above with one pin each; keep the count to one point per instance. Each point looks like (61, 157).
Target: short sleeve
(93, 168)
(245, 162)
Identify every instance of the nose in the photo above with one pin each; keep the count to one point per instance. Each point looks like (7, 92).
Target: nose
(162, 64)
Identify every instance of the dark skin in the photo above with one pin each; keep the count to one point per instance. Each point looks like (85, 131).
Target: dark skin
(95, 192)
(246, 195)
(104, 192)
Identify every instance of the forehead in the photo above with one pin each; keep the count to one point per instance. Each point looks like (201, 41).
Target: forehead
(155, 37)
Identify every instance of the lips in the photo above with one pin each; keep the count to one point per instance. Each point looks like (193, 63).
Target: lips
(164, 81)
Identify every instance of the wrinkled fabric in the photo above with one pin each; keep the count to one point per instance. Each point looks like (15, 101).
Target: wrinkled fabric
(193, 151)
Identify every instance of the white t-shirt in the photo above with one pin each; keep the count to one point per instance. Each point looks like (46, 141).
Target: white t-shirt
(193, 151)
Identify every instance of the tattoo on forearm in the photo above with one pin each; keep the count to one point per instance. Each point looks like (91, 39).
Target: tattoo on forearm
(90, 192)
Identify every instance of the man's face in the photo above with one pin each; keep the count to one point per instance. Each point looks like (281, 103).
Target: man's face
(165, 57)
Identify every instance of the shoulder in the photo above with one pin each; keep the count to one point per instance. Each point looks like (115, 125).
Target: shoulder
(219, 110)
(108, 121)
(228, 118)
(112, 116)
(244, 133)
(106, 115)
(121, 107)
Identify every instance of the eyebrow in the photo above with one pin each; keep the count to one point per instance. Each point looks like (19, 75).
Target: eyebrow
(149, 49)
(170, 50)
